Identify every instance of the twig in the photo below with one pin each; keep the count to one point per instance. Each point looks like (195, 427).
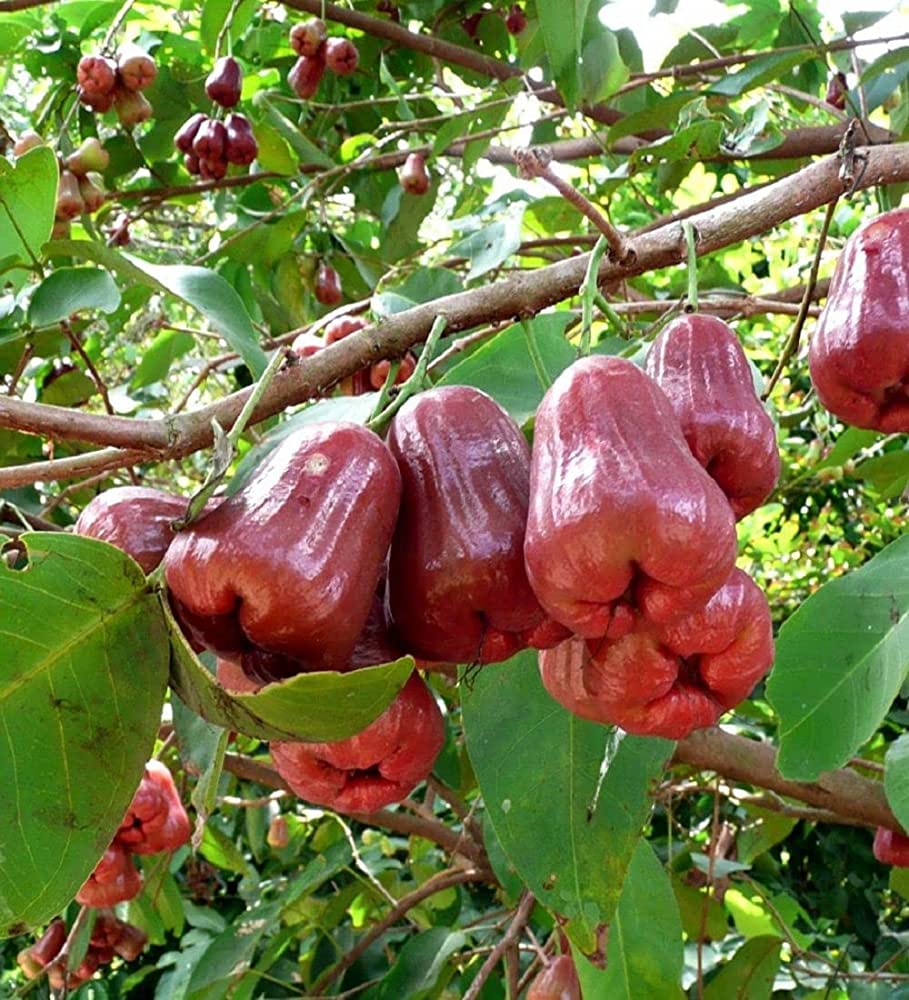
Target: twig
(511, 936)
(89, 364)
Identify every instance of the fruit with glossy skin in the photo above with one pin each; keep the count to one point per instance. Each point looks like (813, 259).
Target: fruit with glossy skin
(413, 176)
(224, 83)
(380, 765)
(210, 140)
(33, 959)
(891, 848)
(90, 155)
(135, 67)
(114, 880)
(97, 102)
(306, 344)
(186, 134)
(137, 519)
(341, 56)
(28, 140)
(557, 981)
(156, 820)
(619, 504)
(308, 37)
(305, 75)
(328, 286)
(859, 354)
(700, 365)
(111, 935)
(131, 106)
(212, 170)
(379, 371)
(344, 326)
(290, 562)
(515, 20)
(92, 196)
(191, 163)
(837, 87)
(668, 680)
(69, 201)
(457, 587)
(241, 146)
(96, 76)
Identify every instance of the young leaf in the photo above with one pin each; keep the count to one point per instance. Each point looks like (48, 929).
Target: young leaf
(71, 289)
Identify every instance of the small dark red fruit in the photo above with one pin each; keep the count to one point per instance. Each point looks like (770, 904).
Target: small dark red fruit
(307, 344)
(210, 140)
(413, 176)
(307, 38)
(891, 848)
(212, 170)
(341, 56)
(224, 83)
(837, 88)
(515, 20)
(96, 75)
(185, 135)
(242, 147)
(328, 286)
(306, 74)
(379, 371)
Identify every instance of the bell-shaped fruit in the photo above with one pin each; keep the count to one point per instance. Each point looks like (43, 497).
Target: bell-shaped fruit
(212, 170)
(136, 68)
(137, 519)
(92, 195)
(378, 766)
(131, 942)
(343, 327)
(278, 835)
(191, 164)
(668, 680)
(290, 562)
(33, 959)
(185, 135)
(156, 820)
(618, 502)
(119, 234)
(700, 365)
(307, 344)
(341, 56)
(306, 74)
(131, 106)
(328, 286)
(114, 880)
(90, 156)
(413, 176)
(891, 848)
(859, 356)
(308, 37)
(837, 87)
(210, 140)
(225, 82)
(28, 140)
(557, 981)
(241, 147)
(378, 372)
(69, 200)
(457, 588)
(515, 20)
(96, 76)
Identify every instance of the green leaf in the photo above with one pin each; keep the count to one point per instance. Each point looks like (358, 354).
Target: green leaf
(313, 707)
(763, 830)
(275, 154)
(419, 965)
(426, 284)
(85, 669)
(69, 290)
(562, 25)
(852, 440)
(492, 245)
(702, 916)
(71, 388)
(644, 949)
(756, 916)
(840, 662)
(751, 972)
(858, 20)
(538, 768)
(28, 193)
(887, 474)
(306, 150)
(602, 69)
(660, 114)
(215, 14)
(507, 370)
(15, 28)
(764, 69)
(896, 778)
(161, 353)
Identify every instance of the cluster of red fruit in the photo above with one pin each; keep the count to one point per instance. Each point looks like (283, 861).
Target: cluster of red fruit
(103, 83)
(208, 144)
(155, 822)
(110, 936)
(317, 52)
(307, 344)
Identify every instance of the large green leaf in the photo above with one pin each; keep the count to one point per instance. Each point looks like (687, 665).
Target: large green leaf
(840, 661)
(419, 965)
(160, 354)
(562, 24)
(314, 707)
(85, 668)
(750, 974)
(896, 778)
(71, 289)
(28, 193)
(644, 954)
(538, 767)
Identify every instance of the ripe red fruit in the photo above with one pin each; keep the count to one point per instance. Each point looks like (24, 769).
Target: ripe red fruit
(859, 355)
(156, 820)
(119, 234)
(132, 108)
(97, 102)
(471, 24)
(28, 140)
(232, 677)
(183, 140)
(700, 365)
(343, 326)
(69, 199)
(379, 371)
(891, 848)
(557, 981)
(114, 880)
(307, 344)
(290, 562)
(212, 170)
(413, 176)
(225, 82)
(90, 156)
(457, 587)
(610, 462)
(378, 766)
(191, 163)
(305, 75)
(241, 147)
(328, 286)
(341, 56)
(307, 38)
(837, 87)
(210, 140)
(136, 68)
(515, 21)
(96, 76)
(33, 959)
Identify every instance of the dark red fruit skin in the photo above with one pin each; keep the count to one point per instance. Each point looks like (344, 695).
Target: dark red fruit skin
(33, 959)
(114, 880)
(341, 56)
(328, 286)
(617, 501)
(290, 562)
(891, 848)
(515, 21)
(379, 371)
(212, 170)
(380, 765)
(557, 981)
(307, 344)
(859, 356)
(837, 86)
(306, 74)
(185, 135)
(343, 326)
(413, 176)
(191, 163)
(210, 140)
(307, 38)
(96, 76)
(156, 820)
(700, 365)
(242, 147)
(232, 677)
(137, 519)
(225, 82)
(668, 680)
(457, 588)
